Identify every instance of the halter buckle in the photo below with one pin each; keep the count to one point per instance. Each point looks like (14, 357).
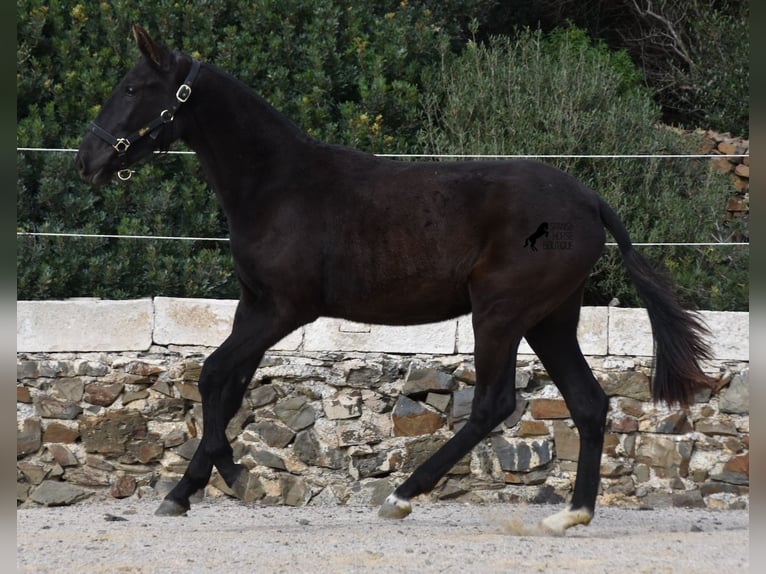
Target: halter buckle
(121, 145)
(183, 93)
(166, 116)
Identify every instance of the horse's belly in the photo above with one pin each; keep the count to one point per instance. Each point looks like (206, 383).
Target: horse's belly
(406, 301)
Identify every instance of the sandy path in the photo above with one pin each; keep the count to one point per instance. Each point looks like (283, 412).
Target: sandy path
(227, 536)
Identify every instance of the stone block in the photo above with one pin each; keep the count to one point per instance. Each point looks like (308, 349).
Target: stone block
(310, 449)
(664, 454)
(730, 334)
(49, 407)
(327, 334)
(62, 455)
(28, 436)
(630, 332)
(735, 398)
(438, 401)
(423, 381)
(189, 391)
(630, 384)
(267, 458)
(346, 404)
(529, 428)
(23, 395)
(294, 490)
(623, 423)
(519, 455)
(262, 396)
(374, 464)
(110, 433)
(412, 418)
(670, 423)
(593, 330)
(550, 409)
(144, 450)
(54, 493)
(688, 499)
(61, 432)
(203, 322)
(567, 441)
(462, 401)
(742, 170)
(716, 427)
(83, 325)
(295, 412)
(123, 486)
(102, 394)
(735, 471)
(273, 434)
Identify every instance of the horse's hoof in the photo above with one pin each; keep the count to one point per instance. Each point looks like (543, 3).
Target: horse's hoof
(394, 508)
(247, 488)
(171, 508)
(557, 524)
(546, 528)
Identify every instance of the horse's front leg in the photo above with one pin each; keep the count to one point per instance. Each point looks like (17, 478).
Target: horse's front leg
(225, 377)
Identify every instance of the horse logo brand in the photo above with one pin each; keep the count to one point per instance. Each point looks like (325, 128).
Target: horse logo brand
(542, 230)
(558, 235)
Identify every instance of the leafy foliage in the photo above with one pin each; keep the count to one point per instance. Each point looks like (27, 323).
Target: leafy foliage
(385, 76)
(693, 54)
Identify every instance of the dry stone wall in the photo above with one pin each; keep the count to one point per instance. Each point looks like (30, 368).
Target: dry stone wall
(340, 413)
(735, 161)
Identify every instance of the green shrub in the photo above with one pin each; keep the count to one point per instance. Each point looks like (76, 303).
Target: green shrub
(376, 75)
(560, 94)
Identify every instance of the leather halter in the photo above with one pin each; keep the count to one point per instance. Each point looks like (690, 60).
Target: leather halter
(122, 144)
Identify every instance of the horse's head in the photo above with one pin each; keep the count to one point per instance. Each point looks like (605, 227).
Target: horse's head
(140, 114)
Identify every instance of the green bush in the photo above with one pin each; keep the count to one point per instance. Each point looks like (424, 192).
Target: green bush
(560, 94)
(377, 75)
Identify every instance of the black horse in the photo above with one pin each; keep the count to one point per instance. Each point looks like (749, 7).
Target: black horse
(323, 230)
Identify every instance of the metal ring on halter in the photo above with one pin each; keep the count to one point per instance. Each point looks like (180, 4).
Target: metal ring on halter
(125, 174)
(121, 145)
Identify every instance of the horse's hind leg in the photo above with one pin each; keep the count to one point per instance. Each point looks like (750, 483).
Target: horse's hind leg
(223, 381)
(555, 342)
(494, 400)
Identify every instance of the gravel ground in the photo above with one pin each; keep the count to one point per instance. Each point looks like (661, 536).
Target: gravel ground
(223, 535)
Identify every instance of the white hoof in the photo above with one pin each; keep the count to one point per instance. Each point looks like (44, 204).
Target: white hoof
(557, 524)
(394, 507)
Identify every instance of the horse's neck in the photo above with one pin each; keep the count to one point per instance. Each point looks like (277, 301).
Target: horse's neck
(239, 138)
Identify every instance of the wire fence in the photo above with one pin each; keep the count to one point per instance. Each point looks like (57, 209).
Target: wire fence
(474, 156)
(410, 156)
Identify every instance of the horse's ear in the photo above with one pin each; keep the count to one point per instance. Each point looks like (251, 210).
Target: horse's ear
(157, 54)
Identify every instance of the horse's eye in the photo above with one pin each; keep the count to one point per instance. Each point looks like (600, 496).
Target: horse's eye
(130, 91)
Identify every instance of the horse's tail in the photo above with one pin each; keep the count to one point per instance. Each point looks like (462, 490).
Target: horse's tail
(679, 334)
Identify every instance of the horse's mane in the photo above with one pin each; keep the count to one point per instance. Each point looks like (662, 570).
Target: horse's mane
(233, 86)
